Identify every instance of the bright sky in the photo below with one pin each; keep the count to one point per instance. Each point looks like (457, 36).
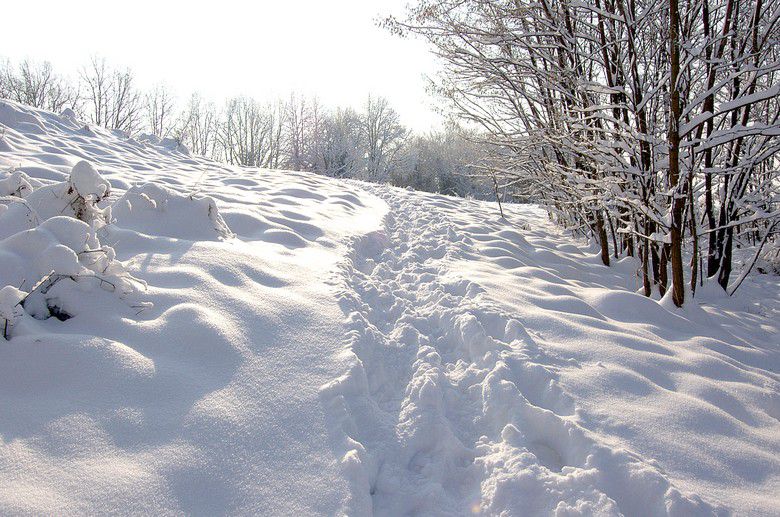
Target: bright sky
(332, 49)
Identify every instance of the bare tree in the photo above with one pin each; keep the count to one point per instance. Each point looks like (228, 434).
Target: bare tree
(37, 85)
(251, 133)
(302, 121)
(112, 100)
(198, 127)
(160, 111)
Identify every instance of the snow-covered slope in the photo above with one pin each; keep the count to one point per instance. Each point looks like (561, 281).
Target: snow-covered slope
(282, 343)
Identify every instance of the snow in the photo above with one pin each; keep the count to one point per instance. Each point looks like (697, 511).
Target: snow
(156, 210)
(190, 337)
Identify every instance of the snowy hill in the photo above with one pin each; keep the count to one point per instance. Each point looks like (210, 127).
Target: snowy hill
(190, 337)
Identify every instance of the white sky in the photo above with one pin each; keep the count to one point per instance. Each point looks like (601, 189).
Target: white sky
(329, 48)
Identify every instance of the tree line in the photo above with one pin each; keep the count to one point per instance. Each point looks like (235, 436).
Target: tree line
(650, 125)
(295, 133)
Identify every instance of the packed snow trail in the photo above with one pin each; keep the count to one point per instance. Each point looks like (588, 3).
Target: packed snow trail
(450, 407)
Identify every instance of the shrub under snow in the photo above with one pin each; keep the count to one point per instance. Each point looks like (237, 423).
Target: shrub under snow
(77, 197)
(10, 308)
(50, 252)
(15, 183)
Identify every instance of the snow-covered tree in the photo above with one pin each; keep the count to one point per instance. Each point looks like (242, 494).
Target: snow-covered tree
(383, 136)
(633, 122)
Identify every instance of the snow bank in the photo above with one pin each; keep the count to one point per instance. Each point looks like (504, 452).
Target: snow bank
(155, 210)
(205, 402)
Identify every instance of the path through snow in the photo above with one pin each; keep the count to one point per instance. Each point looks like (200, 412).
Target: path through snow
(450, 405)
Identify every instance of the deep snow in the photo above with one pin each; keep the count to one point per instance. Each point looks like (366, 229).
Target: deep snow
(282, 343)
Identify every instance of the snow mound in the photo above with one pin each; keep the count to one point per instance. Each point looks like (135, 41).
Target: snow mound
(15, 183)
(87, 183)
(11, 309)
(16, 215)
(155, 210)
(5, 147)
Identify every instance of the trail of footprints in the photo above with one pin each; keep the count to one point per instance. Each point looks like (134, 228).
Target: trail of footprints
(451, 408)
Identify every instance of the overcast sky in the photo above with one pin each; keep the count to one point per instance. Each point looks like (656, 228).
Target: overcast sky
(223, 48)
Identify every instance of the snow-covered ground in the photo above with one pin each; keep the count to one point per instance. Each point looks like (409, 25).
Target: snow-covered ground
(248, 341)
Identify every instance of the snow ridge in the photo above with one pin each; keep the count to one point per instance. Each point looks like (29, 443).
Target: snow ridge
(451, 407)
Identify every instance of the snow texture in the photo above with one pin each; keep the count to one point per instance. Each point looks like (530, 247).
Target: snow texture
(183, 336)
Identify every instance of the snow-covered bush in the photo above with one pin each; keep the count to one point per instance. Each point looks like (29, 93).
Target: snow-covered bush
(52, 263)
(66, 258)
(15, 183)
(50, 252)
(77, 197)
(10, 309)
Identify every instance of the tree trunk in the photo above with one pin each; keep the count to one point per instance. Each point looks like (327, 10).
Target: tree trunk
(645, 251)
(694, 236)
(678, 200)
(663, 272)
(602, 231)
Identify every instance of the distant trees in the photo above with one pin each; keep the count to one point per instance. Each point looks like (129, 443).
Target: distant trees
(297, 133)
(302, 126)
(250, 134)
(383, 136)
(338, 150)
(449, 162)
(159, 108)
(650, 125)
(37, 85)
(198, 127)
(110, 97)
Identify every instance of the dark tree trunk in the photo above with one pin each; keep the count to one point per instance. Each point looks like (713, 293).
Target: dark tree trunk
(663, 272)
(602, 231)
(678, 200)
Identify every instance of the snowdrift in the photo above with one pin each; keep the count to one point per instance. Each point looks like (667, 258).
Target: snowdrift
(183, 336)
